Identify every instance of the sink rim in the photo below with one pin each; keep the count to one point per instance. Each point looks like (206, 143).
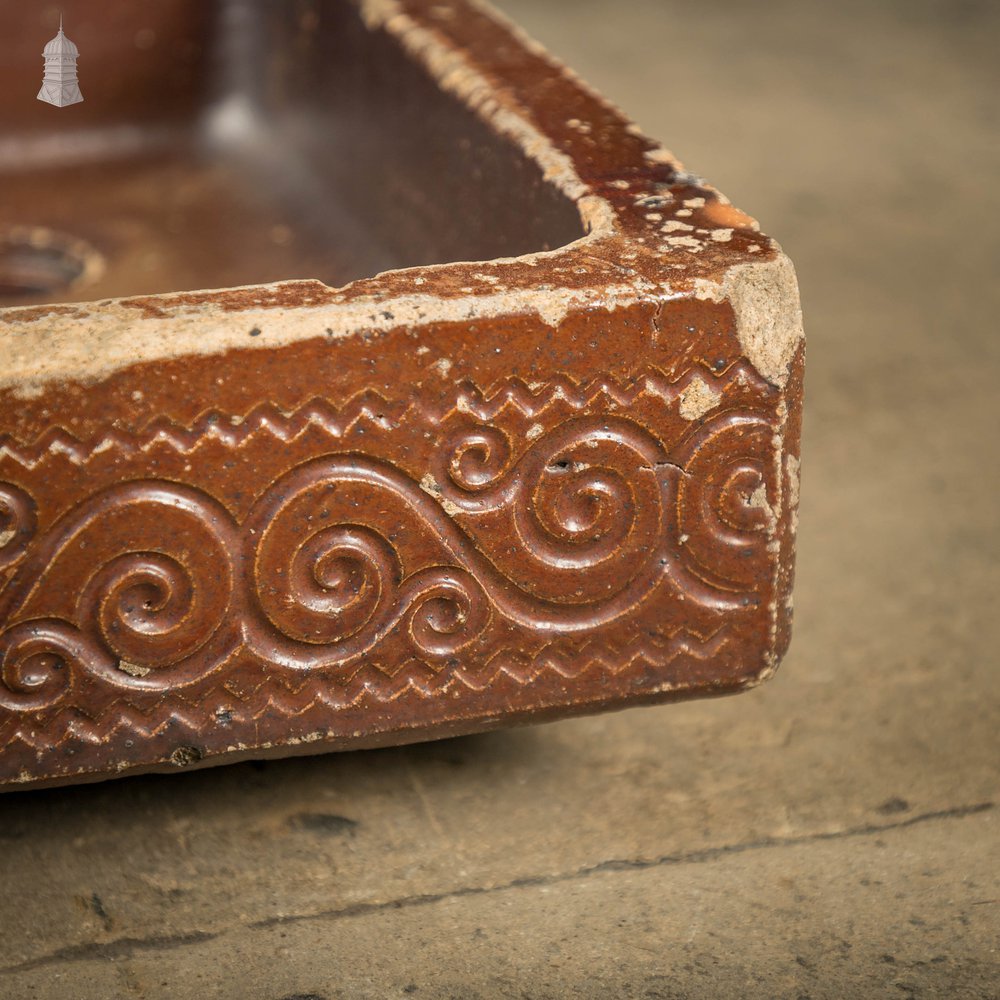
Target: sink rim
(627, 190)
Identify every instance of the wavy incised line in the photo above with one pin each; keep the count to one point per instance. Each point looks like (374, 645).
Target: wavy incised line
(458, 587)
(148, 620)
(514, 603)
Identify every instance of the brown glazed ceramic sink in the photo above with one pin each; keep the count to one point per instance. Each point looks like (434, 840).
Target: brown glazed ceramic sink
(314, 509)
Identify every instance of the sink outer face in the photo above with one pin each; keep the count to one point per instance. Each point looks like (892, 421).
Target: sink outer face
(291, 518)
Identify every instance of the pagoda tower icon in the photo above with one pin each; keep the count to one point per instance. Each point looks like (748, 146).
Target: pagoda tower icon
(60, 86)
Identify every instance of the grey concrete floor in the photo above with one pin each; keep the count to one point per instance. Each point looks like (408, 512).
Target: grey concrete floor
(832, 834)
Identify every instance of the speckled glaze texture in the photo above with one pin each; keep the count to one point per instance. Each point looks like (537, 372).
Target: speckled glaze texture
(291, 518)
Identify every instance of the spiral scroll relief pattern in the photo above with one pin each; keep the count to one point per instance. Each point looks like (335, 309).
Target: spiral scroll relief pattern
(599, 510)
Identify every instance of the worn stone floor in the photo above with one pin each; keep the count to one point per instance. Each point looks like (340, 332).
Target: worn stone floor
(834, 834)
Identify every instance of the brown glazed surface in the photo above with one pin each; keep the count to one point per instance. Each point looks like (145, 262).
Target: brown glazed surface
(295, 517)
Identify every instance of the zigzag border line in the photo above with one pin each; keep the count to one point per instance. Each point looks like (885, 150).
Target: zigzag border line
(531, 400)
(416, 678)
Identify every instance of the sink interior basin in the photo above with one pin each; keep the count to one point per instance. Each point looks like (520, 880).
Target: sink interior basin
(241, 142)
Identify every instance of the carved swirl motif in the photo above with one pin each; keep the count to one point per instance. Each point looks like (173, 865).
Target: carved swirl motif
(150, 618)
(590, 510)
(37, 660)
(723, 504)
(341, 589)
(17, 523)
(187, 586)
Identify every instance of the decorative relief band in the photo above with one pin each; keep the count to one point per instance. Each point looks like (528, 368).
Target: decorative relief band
(370, 407)
(302, 592)
(543, 521)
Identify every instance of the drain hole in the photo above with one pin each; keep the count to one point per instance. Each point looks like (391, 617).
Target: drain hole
(37, 262)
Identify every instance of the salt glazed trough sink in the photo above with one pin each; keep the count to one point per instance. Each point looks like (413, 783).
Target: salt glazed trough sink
(544, 462)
